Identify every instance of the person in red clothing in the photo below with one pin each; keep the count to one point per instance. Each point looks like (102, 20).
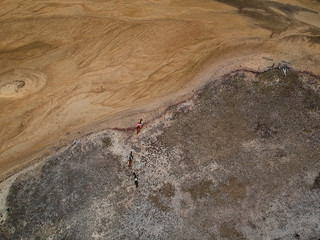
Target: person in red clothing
(139, 126)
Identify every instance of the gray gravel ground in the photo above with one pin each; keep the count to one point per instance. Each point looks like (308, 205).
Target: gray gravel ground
(241, 160)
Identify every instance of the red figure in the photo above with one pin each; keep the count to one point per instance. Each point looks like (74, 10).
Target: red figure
(139, 126)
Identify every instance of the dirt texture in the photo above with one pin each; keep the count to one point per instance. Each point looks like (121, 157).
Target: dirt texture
(239, 160)
(69, 68)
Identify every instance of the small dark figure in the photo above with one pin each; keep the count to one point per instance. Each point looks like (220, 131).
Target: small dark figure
(285, 70)
(135, 179)
(297, 236)
(139, 126)
(130, 160)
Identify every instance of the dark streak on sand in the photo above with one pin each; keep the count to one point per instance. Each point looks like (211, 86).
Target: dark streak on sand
(263, 15)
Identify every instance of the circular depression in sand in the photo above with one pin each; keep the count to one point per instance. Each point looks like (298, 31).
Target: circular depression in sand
(21, 82)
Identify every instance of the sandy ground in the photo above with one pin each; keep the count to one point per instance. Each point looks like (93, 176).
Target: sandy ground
(68, 68)
(239, 160)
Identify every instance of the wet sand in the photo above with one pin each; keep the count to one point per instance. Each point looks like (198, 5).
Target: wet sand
(71, 68)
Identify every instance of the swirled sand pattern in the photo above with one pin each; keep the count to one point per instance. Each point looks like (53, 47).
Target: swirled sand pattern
(21, 82)
(68, 68)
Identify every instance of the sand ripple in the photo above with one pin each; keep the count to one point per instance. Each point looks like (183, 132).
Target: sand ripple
(21, 82)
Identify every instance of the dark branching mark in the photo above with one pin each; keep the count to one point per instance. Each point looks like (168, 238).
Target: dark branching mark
(288, 8)
(107, 141)
(268, 59)
(228, 230)
(241, 4)
(262, 14)
(263, 131)
(200, 189)
(316, 184)
(125, 129)
(19, 83)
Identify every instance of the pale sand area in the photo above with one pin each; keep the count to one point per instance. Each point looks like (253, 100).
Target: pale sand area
(68, 68)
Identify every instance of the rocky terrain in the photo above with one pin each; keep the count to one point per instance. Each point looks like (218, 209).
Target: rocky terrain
(228, 91)
(239, 160)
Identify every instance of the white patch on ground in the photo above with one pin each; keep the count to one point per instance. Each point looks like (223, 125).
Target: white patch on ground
(4, 190)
